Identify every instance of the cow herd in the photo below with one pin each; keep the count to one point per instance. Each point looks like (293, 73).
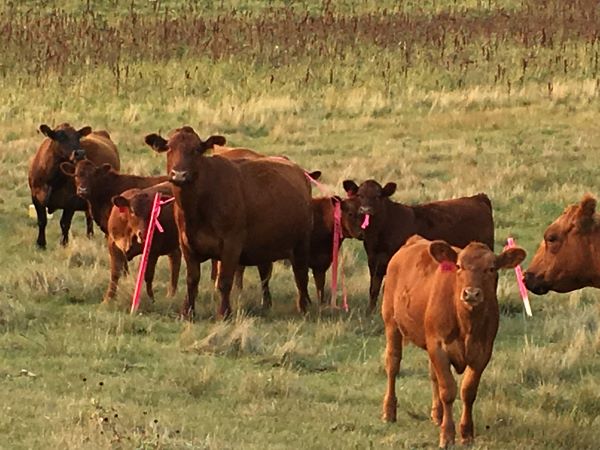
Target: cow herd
(240, 208)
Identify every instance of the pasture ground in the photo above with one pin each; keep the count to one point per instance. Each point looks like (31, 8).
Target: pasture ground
(444, 98)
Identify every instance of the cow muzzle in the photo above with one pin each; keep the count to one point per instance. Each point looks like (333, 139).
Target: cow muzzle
(178, 177)
(472, 295)
(78, 155)
(535, 283)
(366, 210)
(82, 191)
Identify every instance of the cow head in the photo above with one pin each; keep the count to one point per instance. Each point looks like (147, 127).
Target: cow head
(476, 268)
(136, 208)
(369, 199)
(86, 174)
(564, 260)
(351, 218)
(67, 140)
(183, 149)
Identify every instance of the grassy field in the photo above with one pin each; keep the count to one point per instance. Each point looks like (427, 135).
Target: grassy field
(446, 98)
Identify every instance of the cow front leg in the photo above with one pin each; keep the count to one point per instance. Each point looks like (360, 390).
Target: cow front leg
(300, 267)
(264, 271)
(447, 391)
(42, 221)
(149, 275)
(468, 394)
(437, 410)
(193, 278)
(393, 357)
(65, 224)
(319, 277)
(118, 261)
(175, 266)
(89, 224)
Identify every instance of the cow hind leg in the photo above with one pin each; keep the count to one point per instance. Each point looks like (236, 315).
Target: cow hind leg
(42, 221)
(89, 224)
(175, 266)
(230, 258)
(65, 224)
(319, 277)
(300, 268)
(239, 277)
(117, 263)
(193, 278)
(149, 275)
(393, 357)
(468, 393)
(264, 271)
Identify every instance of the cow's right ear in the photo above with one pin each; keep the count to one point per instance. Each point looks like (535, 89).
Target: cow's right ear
(212, 141)
(586, 212)
(67, 168)
(156, 142)
(441, 251)
(350, 187)
(84, 131)
(388, 189)
(47, 131)
(120, 202)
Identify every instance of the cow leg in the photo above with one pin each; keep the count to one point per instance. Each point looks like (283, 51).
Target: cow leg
(149, 275)
(468, 393)
(175, 266)
(89, 223)
(319, 276)
(193, 278)
(300, 268)
(239, 277)
(214, 270)
(393, 356)
(264, 271)
(436, 404)
(377, 274)
(42, 221)
(447, 392)
(65, 224)
(230, 258)
(117, 263)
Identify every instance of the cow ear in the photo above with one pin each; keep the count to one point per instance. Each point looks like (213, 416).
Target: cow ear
(120, 202)
(335, 199)
(388, 189)
(156, 142)
(510, 258)
(105, 168)
(586, 212)
(47, 131)
(314, 175)
(212, 141)
(84, 131)
(67, 168)
(441, 251)
(350, 187)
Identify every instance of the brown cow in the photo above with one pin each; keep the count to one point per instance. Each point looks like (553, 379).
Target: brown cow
(567, 259)
(443, 299)
(457, 221)
(98, 185)
(50, 189)
(127, 226)
(249, 212)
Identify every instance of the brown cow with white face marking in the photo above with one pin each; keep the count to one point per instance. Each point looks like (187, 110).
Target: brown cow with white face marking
(457, 221)
(443, 300)
(569, 256)
(127, 226)
(52, 190)
(249, 212)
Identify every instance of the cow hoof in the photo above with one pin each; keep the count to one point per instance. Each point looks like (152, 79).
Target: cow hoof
(389, 416)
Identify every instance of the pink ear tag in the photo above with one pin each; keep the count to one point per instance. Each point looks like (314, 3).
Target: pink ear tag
(366, 221)
(122, 209)
(447, 266)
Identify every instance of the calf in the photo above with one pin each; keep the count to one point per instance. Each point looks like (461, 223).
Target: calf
(127, 226)
(568, 259)
(50, 189)
(457, 221)
(443, 299)
(249, 212)
(98, 185)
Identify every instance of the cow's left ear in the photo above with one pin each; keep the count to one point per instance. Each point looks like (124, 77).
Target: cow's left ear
(105, 168)
(67, 168)
(510, 258)
(157, 142)
(388, 189)
(47, 131)
(350, 187)
(212, 141)
(441, 251)
(120, 202)
(335, 199)
(315, 175)
(84, 131)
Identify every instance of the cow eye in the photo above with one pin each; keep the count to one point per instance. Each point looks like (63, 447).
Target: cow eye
(552, 238)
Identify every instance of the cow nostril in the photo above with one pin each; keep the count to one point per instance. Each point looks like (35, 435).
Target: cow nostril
(470, 294)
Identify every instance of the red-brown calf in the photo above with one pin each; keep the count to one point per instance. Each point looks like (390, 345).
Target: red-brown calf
(443, 299)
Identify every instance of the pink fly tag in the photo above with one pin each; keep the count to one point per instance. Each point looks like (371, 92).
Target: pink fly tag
(366, 221)
(510, 243)
(122, 209)
(447, 266)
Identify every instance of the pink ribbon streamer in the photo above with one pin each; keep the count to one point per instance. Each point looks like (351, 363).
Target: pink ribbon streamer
(366, 222)
(519, 274)
(153, 223)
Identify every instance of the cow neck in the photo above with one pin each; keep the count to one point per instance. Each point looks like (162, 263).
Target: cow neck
(594, 256)
(106, 186)
(393, 218)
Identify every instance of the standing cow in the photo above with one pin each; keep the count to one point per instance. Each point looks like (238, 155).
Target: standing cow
(457, 221)
(50, 188)
(443, 299)
(568, 257)
(249, 212)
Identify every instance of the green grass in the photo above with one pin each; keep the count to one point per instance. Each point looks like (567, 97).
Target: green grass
(438, 127)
